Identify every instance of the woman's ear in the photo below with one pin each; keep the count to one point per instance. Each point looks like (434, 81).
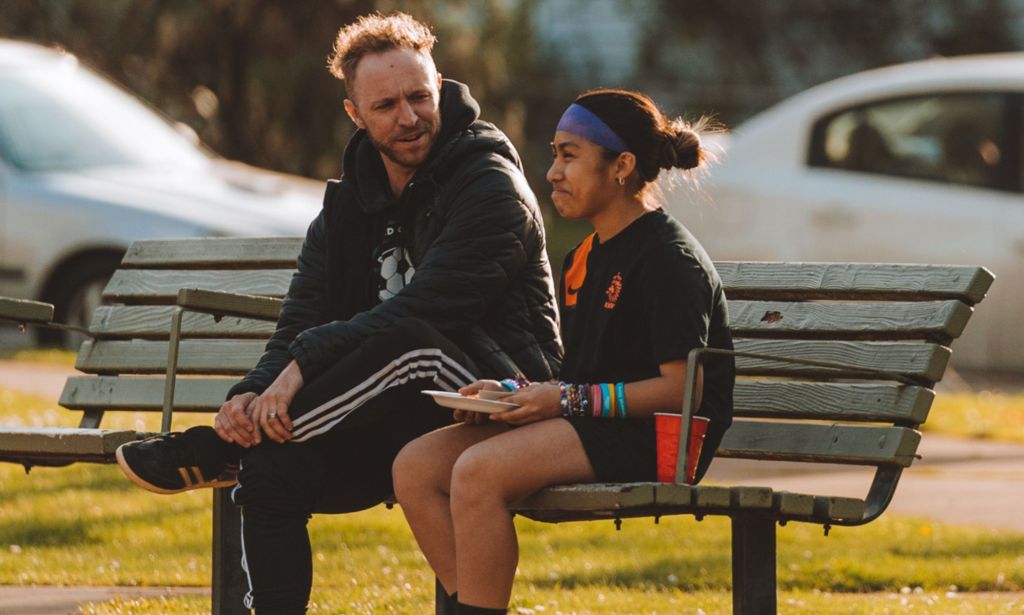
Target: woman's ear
(625, 164)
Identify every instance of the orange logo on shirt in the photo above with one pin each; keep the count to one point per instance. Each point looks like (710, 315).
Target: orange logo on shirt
(577, 271)
(614, 289)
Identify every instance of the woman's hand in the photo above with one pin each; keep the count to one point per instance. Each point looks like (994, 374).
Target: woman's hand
(475, 418)
(536, 403)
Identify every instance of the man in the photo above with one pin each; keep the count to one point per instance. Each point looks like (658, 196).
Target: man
(425, 269)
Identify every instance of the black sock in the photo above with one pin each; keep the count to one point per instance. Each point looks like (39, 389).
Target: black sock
(468, 609)
(450, 600)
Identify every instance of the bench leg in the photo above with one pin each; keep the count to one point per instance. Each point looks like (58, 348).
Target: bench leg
(229, 582)
(753, 566)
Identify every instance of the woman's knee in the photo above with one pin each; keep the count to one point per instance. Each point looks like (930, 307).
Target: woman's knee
(476, 478)
(415, 470)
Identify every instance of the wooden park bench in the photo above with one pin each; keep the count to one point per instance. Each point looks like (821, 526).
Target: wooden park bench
(836, 362)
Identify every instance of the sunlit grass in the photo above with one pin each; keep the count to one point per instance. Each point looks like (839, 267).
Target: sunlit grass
(653, 602)
(990, 415)
(46, 356)
(86, 524)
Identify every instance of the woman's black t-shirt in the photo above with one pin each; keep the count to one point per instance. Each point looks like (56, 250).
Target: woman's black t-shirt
(647, 296)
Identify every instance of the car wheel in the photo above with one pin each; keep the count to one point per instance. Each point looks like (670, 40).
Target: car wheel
(75, 295)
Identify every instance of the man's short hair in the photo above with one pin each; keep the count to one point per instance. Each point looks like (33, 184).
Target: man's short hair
(376, 33)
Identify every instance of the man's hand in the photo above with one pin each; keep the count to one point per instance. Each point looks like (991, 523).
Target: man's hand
(270, 410)
(536, 403)
(233, 423)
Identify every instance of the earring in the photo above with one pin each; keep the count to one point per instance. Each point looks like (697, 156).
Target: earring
(622, 181)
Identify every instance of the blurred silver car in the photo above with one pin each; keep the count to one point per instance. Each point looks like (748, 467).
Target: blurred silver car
(920, 162)
(85, 169)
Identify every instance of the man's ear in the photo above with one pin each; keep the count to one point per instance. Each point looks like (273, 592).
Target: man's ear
(353, 113)
(438, 82)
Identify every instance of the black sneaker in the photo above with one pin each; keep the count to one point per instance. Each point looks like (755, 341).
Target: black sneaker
(172, 463)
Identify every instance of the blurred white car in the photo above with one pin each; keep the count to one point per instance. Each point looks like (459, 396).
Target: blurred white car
(85, 169)
(920, 162)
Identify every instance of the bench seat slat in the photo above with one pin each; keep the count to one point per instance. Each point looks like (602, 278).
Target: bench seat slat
(819, 443)
(896, 320)
(162, 286)
(143, 393)
(214, 253)
(832, 401)
(154, 322)
(804, 281)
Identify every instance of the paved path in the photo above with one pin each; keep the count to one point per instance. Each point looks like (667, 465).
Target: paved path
(956, 481)
(48, 600)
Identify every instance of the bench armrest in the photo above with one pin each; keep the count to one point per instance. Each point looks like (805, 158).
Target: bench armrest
(219, 303)
(25, 311)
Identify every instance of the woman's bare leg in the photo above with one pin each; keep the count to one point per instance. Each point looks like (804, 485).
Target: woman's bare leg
(486, 479)
(422, 480)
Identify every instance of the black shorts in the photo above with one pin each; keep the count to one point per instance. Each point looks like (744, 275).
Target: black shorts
(619, 450)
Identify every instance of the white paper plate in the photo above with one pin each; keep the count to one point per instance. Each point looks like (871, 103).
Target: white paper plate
(473, 404)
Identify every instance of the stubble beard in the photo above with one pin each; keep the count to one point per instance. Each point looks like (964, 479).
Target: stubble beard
(408, 160)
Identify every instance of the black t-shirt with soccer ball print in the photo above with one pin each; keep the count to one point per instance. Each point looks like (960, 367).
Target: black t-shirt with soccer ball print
(647, 296)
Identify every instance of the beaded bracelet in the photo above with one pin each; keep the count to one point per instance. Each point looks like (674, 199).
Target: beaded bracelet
(514, 384)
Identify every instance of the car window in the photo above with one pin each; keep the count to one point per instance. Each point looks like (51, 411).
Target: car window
(54, 118)
(953, 138)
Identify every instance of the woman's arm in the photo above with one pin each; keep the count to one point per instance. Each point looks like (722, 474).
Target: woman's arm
(663, 393)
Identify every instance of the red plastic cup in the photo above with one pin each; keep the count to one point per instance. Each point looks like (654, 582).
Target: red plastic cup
(666, 428)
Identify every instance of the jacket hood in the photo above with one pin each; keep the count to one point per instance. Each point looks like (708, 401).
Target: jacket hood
(461, 133)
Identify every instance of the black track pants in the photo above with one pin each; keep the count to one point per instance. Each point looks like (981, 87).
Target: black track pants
(349, 425)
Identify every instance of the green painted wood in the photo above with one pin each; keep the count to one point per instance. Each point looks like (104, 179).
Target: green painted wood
(711, 496)
(926, 362)
(144, 393)
(669, 494)
(834, 507)
(162, 285)
(747, 498)
(23, 310)
(793, 504)
(214, 253)
(866, 281)
(818, 443)
(600, 496)
(213, 357)
(230, 304)
(154, 322)
(60, 441)
(828, 401)
(894, 320)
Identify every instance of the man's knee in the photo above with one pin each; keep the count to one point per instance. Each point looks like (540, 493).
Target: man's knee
(271, 476)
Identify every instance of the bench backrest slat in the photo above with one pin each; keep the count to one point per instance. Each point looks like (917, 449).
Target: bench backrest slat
(153, 322)
(753, 398)
(162, 285)
(221, 253)
(867, 281)
(852, 444)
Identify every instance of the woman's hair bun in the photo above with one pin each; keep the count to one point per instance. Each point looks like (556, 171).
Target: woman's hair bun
(682, 147)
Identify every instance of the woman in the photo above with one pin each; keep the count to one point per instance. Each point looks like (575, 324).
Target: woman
(636, 296)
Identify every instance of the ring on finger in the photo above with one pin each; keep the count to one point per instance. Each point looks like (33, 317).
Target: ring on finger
(272, 415)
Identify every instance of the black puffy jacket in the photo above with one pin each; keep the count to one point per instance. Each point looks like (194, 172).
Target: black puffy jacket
(481, 271)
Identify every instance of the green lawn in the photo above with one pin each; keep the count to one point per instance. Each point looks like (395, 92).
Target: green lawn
(86, 525)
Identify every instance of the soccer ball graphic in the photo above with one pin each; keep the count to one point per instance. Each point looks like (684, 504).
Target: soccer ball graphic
(396, 271)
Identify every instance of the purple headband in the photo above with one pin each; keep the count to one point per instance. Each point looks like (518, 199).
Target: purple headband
(582, 122)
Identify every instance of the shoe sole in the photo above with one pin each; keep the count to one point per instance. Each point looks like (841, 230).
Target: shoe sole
(148, 486)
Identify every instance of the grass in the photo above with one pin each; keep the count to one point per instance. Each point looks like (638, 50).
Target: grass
(989, 415)
(45, 356)
(86, 525)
